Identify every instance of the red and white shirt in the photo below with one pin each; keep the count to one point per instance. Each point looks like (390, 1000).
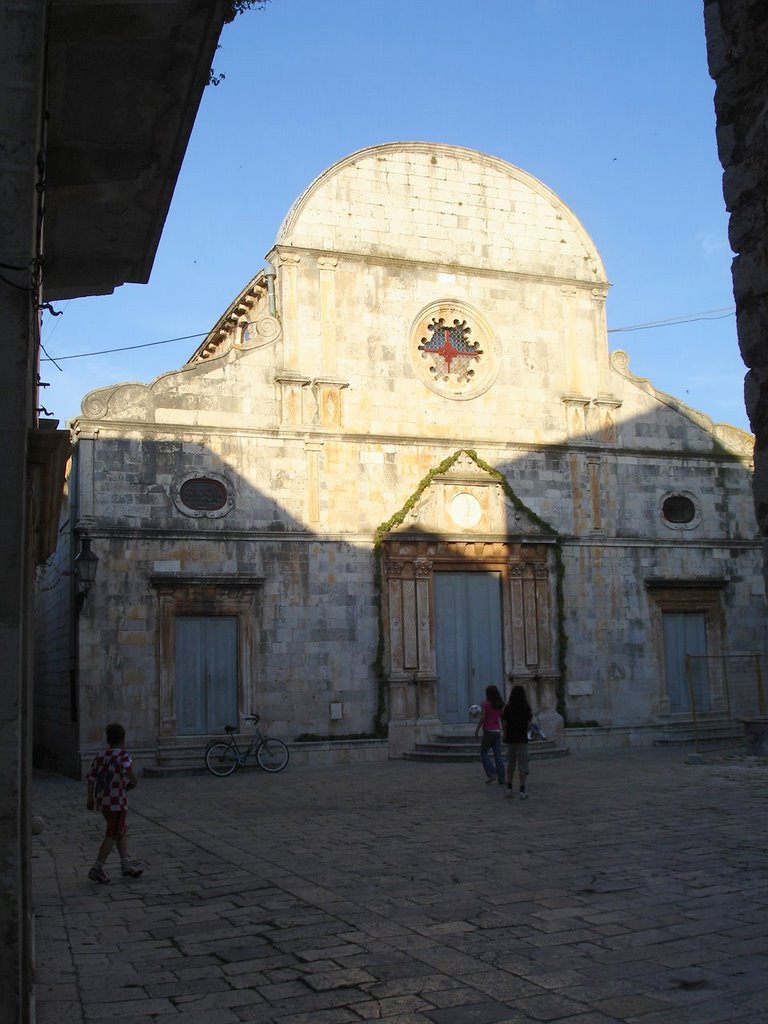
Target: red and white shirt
(109, 774)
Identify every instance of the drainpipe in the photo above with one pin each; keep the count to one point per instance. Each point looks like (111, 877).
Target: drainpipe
(270, 275)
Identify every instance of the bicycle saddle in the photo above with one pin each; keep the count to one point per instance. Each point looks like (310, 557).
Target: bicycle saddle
(230, 729)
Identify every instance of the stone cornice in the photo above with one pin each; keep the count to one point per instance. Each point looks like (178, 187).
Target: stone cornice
(365, 541)
(162, 581)
(598, 289)
(167, 431)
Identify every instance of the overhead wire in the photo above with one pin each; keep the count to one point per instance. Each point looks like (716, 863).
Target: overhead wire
(126, 348)
(710, 314)
(689, 318)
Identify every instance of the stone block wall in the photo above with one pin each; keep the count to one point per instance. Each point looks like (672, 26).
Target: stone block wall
(316, 617)
(251, 483)
(737, 43)
(413, 202)
(55, 739)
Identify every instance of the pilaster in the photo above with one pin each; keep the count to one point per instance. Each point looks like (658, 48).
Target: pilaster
(327, 271)
(288, 265)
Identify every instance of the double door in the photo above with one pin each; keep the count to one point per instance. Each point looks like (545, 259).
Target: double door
(468, 640)
(685, 668)
(206, 673)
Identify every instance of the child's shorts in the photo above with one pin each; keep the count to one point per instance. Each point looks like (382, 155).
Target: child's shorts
(117, 823)
(517, 757)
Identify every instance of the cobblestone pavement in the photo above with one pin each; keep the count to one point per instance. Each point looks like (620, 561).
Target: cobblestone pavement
(632, 886)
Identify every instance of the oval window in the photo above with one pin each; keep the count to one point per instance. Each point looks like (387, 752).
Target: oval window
(678, 509)
(203, 494)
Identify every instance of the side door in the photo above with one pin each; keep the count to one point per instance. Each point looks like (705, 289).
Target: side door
(206, 673)
(685, 633)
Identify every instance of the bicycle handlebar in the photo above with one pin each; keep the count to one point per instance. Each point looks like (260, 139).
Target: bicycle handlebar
(231, 729)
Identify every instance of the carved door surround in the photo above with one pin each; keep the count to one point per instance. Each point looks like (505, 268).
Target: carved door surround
(429, 541)
(179, 595)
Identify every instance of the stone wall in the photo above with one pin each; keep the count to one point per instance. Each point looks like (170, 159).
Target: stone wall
(314, 618)
(55, 736)
(737, 42)
(381, 395)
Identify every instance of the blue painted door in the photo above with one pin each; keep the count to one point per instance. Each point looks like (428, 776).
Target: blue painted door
(206, 674)
(468, 640)
(685, 633)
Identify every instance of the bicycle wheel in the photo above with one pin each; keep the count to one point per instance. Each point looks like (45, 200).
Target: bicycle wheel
(272, 755)
(220, 759)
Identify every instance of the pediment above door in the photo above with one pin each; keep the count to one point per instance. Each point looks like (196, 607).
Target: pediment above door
(464, 497)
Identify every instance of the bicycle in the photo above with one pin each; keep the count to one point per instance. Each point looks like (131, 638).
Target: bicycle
(222, 757)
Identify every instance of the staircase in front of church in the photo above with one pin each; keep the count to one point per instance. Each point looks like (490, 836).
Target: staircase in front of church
(711, 729)
(463, 746)
(177, 756)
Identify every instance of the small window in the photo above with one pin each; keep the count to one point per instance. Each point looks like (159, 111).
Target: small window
(204, 496)
(680, 510)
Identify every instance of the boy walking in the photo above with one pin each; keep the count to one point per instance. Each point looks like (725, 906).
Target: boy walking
(110, 778)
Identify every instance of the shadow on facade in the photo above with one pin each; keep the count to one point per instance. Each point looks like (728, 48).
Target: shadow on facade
(291, 589)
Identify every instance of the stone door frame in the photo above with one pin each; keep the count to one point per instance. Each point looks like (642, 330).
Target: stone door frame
(529, 608)
(205, 596)
(704, 597)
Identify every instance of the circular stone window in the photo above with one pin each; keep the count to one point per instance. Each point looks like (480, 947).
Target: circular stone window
(204, 495)
(679, 511)
(453, 350)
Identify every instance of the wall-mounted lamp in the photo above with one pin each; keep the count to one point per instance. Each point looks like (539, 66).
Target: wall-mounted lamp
(86, 564)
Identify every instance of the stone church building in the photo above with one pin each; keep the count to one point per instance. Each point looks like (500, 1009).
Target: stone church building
(403, 465)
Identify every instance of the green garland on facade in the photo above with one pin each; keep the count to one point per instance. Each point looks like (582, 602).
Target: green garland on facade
(379, 723)
(562, 636)
(380, 726)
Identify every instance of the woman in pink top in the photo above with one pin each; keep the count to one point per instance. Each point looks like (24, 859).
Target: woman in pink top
(490, 723)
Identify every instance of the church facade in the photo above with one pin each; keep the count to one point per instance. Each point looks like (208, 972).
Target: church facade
(403, 465)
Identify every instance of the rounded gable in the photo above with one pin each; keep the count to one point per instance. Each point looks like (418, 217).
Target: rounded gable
(435, 203)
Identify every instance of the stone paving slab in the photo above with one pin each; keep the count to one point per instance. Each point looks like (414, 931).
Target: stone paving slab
(631, 887)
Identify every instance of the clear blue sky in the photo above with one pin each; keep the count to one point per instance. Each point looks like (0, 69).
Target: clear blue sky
(608, 102)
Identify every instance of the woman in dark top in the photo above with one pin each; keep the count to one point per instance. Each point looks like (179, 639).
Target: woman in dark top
(517, 717)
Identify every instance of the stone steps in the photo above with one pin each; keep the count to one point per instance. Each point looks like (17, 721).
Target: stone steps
(464, 748)
(179, 758)
(718, 729)
(175, 759)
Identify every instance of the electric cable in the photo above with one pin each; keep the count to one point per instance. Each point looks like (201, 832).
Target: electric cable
(710, 314)
(126, 348)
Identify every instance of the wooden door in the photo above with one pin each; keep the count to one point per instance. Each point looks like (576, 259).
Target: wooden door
(685, 633)
(468, 640)
(206, 674)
